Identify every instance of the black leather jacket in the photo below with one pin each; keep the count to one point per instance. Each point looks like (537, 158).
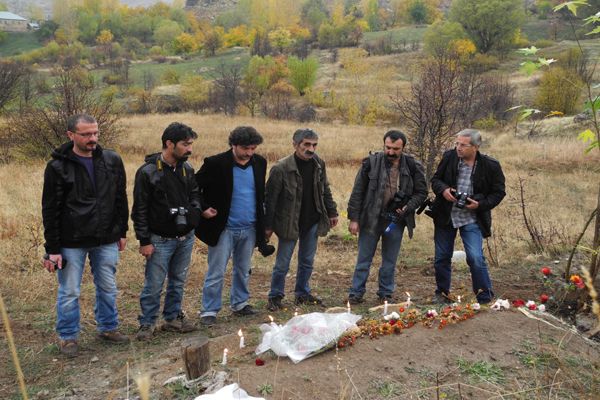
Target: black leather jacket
(158, 188)
(75, 214)
(488, 189)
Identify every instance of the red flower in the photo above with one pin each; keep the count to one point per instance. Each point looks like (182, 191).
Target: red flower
(576, 279)
(544, 298)
(518, 303)
(546, 271)
(259, 362)
(401, 309)
(532, 307)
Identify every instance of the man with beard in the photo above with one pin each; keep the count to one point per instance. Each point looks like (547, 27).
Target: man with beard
(85, 213)
(166, 209)
(232, 187)
(299, 208)
(388, 188)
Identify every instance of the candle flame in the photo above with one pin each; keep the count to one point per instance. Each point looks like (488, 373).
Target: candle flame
(348, 304)
(271, 318)
(225, 351)
(408, 294)
(385, 302)
(240, 333)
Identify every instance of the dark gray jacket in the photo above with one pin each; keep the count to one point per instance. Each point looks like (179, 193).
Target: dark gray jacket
(283, 198)
(366, 201)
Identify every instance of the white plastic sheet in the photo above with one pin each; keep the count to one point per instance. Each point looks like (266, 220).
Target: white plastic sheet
(305, 335)
(229, 392)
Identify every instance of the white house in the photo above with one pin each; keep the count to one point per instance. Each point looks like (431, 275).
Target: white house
(10, 22)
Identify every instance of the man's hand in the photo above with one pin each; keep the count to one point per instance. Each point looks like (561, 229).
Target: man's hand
(353, 228)
(400, 211)
(122, 243)
(333, 221)
(209, 213)
(472, 204)
(147, 250)
(268, 234)
(447, 193)
(53, 262)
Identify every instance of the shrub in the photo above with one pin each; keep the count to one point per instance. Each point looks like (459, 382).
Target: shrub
(482, 62)
(559, 90)
(170, 77)
(486, 123)
(40, 128)
(541, 43)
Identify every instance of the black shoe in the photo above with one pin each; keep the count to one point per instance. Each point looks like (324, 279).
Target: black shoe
(208, 320)
(309, 299)
(247, 310)
(274, 303)
(383, 299)
(354, 300)
(442, 298)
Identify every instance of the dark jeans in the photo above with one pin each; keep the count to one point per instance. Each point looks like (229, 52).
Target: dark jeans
(473, 244)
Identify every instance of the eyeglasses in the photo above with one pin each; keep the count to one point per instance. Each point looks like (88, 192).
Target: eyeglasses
(88, 135)
(462, 145)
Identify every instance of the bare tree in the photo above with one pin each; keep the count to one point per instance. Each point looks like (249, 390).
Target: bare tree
(11, 75)
(445, 99)
(40, 128)
(227, 93)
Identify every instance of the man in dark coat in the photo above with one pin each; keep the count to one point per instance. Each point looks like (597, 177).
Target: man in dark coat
(85, 213)
(166, 209)
(388, 188)
(232, 188)
(467, 185)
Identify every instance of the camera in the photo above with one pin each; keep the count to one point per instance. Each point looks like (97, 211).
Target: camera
(180, 218)
(399, 200)
(461, 199)
(266, 250)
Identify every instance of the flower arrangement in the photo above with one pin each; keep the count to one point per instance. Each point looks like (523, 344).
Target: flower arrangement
(396, 321)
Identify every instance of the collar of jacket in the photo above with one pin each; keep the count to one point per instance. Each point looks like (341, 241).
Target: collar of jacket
(289, 163)
(65, 151)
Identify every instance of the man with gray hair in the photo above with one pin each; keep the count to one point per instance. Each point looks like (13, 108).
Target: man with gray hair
(467, 185)
(299, 207)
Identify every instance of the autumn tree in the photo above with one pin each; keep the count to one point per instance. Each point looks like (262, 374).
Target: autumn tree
(491, 24)
(303, 73)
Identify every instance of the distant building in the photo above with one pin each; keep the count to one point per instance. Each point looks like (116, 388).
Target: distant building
(10, 22)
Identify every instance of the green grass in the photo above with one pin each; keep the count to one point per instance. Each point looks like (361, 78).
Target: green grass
(481, 371)
(406, 33)
(204, 66)
(17, 43)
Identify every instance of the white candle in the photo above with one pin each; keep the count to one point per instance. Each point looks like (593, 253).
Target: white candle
(224, 357)
(241, 335)
(458, 299)
(385, 307)
(296, 313)
(348, 306)
(271, 318)
(407, 299)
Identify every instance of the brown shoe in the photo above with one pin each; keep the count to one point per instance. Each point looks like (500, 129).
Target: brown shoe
(180, 324)
(113, 337)
(145, 333)
(68, 347)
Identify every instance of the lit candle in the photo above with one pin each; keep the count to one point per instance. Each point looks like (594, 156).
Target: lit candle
(348, 306)
(224, 357)
(271, 318)
(385, 307)
(458, 298)
(407, 299)
(241, 335)
(296, 313)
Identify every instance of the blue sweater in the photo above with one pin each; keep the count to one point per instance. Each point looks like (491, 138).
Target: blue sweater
(242, 213)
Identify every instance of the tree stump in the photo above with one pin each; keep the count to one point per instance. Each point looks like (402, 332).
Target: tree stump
(196, 357)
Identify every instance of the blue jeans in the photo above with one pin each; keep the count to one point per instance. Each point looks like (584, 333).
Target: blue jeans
(103, 261)
(171, 258)
(239, 245)
(306, 256)
(390, 248)
(473, 244)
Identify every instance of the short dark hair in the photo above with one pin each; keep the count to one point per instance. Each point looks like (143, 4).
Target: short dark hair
(74, 120)
(395, 135)
(302, 134)
(245, 136)
(176, 132)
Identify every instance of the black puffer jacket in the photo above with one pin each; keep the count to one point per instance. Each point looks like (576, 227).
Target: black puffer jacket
(158, 188)
(488, 189)
(75, 214)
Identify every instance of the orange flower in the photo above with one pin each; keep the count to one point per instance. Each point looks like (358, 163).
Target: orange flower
(577, 281)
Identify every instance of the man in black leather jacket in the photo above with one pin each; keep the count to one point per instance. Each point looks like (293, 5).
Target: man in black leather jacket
(166, 209)
(467, 185)
(85, 213)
